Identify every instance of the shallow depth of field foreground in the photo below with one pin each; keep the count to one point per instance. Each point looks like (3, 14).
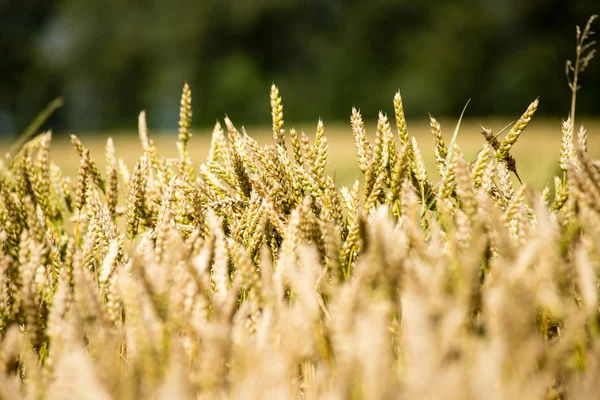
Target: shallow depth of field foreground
(254, 275)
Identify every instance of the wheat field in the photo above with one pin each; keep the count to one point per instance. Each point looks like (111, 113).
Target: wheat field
(536, 152)
(235, 268)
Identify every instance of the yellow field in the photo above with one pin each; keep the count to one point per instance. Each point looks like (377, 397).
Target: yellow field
(536, 151)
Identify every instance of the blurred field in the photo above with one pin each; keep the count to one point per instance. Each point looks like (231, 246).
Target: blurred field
(536, 151)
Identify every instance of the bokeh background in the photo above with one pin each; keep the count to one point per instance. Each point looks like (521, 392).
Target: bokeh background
(110, 59)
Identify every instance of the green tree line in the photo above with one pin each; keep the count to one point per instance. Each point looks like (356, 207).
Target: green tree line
(110, 59)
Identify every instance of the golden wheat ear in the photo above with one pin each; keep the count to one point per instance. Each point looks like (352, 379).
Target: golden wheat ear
(277, 115)
(185, 120)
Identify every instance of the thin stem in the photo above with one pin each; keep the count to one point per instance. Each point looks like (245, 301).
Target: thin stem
(349, 266)
(574, 84)
(423, 205)
(77, 225)
(397, 208)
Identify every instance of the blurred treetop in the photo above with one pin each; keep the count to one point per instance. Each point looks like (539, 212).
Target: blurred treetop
(110, 59)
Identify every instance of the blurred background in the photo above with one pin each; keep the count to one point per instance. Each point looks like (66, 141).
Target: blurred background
(110, 59)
